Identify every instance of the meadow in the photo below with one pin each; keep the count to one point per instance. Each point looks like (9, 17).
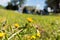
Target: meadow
(16, 26)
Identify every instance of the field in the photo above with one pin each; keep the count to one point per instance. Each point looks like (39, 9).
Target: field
(16, 26)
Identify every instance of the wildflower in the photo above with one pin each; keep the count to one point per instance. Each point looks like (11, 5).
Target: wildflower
(2, 34)
(38, 34)
(16, 25)
(33, 37)
(29, 19)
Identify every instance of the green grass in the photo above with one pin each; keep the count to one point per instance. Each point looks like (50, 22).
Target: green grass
(49, 26)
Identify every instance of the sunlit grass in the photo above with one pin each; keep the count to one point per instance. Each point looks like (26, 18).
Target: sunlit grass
(49, 26)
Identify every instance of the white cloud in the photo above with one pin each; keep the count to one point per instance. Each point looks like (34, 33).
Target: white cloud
(38, 6)
(4, 2)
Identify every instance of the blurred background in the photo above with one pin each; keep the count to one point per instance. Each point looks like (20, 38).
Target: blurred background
(43, 7)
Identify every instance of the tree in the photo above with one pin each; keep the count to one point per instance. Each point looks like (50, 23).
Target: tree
(9, 6)
(54, 4)
(20, 2)
(13, 5)
(14, 2)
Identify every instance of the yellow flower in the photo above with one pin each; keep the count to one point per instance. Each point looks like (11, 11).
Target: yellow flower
(16, 25)
(38, 34)
(29, 19)
(33, 37)
(2, 34)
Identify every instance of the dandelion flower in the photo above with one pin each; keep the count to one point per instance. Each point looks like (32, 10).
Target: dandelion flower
(16, 25)
(38, 34)
(33, 37)
(29, 19)
(2, 34)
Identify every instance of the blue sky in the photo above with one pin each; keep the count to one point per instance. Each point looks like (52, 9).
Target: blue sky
(38, 3)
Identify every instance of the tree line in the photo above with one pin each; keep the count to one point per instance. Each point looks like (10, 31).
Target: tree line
(53, 4)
